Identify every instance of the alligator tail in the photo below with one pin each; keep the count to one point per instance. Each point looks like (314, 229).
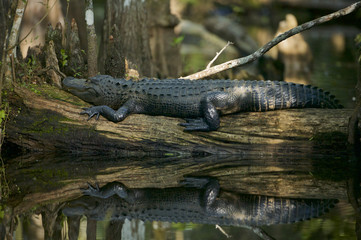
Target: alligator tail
(282, 210)
(303, 96)
(273, 95)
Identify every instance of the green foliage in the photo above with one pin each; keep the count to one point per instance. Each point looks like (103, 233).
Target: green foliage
(77, 72)
(190, 1)
(31, 65)
(358, 45)
(64, 58)
(2, 213)
(2, 115)
(358, 39)
(178, 40)
(238, 10)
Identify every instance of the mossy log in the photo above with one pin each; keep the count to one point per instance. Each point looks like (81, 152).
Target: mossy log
(49, 120)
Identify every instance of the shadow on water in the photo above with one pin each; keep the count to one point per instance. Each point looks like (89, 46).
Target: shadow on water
(179, 197)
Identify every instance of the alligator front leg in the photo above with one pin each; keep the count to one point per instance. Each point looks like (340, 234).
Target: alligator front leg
(109, 113)
(114, 188)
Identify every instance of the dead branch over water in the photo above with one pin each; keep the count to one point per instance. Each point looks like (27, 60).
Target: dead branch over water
(260, 52)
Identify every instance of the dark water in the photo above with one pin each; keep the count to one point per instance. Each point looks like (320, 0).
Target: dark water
(44, 184)
(334, 61)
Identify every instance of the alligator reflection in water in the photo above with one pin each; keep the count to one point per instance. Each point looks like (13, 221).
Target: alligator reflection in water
(200, 201)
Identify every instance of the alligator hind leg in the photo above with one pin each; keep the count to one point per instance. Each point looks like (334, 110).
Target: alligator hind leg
(210, 185)
(197, 124)
(210, 106)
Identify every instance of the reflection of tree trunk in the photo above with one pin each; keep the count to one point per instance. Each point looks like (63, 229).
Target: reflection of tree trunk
(91, 229)
(49, 215)
(114, 230)
(73, 226)
(133, 229)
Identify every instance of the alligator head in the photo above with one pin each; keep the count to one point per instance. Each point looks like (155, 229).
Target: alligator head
(98, 90)
(88, 90)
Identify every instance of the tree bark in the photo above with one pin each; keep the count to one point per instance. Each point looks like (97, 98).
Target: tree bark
(126, 39)
(92, 39)
(53, 123)
(4, 11)
(165, 51)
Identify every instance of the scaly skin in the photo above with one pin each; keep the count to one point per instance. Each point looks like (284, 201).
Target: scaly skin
(199, 201)
(201, 102)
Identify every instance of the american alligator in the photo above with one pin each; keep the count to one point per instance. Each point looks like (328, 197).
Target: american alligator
(198, 201)
(201, 102)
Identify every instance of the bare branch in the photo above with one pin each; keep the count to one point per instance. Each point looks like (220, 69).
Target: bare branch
(217, 226)
(260, 52)
(217, 55)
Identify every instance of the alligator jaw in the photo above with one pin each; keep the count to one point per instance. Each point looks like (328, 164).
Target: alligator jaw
(70, 84)
(80, 88)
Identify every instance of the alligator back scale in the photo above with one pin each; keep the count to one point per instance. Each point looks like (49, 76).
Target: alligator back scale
(200, 102)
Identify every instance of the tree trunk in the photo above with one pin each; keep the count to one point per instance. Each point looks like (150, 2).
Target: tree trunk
(165, 49)
(51, 122)
(138, 42)
(92, 39)
(4, 10)
(126, 39)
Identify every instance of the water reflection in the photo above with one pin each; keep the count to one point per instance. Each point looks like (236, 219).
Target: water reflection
(200, 201)
(224, 190)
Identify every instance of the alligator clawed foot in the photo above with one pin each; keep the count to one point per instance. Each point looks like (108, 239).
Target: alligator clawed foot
(92, 111)
(91, 191)
(197, 124)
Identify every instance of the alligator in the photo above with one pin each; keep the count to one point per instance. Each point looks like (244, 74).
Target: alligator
(199, 200)
(200, 102)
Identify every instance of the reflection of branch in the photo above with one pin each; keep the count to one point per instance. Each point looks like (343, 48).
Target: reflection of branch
(217, 226)
(217, 55)
(259, 232)
(260, 52)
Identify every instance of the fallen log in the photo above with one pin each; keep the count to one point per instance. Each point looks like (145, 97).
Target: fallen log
(49, 120)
